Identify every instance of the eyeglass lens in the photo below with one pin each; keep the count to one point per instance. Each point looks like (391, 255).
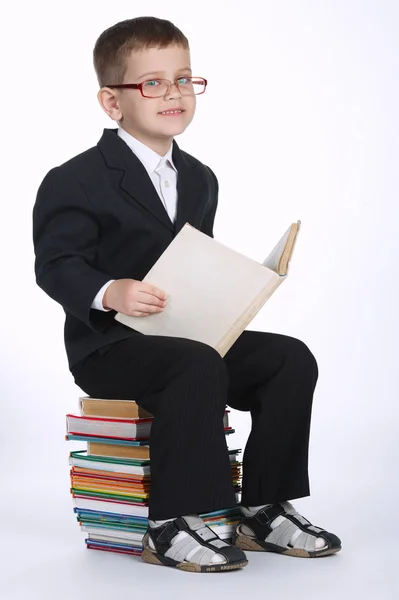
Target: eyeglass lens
(188, 86)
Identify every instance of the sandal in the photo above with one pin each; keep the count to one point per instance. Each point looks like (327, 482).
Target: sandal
(292, 534)
(160, 548)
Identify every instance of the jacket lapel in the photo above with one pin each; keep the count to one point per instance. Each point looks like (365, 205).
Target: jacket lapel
(139, 187)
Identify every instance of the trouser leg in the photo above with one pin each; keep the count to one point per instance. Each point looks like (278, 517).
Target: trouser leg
(274, 377)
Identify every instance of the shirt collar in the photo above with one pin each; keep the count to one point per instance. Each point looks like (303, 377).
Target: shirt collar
(148, 157)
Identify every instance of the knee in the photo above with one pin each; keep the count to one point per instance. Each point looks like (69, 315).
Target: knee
(303, 357)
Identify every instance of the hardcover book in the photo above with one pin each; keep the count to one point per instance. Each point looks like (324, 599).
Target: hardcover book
(213, 291)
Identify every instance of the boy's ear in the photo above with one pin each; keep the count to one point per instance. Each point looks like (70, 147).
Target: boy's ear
(109, 103)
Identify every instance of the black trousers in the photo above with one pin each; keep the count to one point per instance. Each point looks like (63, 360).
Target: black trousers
(186, 385)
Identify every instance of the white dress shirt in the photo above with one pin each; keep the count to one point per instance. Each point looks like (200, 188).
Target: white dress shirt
(163, 175)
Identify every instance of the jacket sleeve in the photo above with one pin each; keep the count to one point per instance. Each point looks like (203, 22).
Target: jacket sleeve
(65, 239)
(209, 218)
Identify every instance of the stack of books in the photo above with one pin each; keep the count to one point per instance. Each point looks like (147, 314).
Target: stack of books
(110, 480)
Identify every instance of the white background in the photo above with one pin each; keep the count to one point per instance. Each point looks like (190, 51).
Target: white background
(299, 122)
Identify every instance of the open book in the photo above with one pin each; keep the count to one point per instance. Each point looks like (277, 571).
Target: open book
(214, 292)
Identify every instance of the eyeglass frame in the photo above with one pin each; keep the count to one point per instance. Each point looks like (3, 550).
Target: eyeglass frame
(139, 86)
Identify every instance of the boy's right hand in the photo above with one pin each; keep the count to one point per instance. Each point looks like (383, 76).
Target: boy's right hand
(134, 298)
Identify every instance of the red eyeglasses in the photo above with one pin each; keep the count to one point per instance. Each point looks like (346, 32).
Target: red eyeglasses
(156, 88)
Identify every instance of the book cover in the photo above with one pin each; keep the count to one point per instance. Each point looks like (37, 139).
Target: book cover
(113, 408)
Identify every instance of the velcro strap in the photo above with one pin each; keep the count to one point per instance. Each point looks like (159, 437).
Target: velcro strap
(171, 530)
(300, 522)
(314, 528)
(265, 515)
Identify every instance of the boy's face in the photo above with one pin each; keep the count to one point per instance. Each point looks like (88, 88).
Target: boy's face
(140, 116)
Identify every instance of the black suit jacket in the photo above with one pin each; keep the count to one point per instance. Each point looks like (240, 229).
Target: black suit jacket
(97, 217)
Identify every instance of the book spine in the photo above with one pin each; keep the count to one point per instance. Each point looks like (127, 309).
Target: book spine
(241, 323)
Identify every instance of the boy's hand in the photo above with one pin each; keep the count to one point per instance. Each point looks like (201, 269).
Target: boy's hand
(134, 298)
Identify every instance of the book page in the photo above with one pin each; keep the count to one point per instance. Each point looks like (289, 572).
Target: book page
(210, 286)
(279, 258)
(271, 262)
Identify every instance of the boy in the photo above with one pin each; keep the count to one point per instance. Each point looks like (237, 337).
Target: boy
(100, 222)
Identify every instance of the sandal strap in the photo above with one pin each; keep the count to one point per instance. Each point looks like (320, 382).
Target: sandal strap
(170, 530)
(260, 522)
(265, 515)
(306, 526)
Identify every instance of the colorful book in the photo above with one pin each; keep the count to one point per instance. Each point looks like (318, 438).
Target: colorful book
(129, 429)
(109, 505)
(80, 458)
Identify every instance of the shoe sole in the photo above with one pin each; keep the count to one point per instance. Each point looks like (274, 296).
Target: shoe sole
(153, 558)
(247, 543)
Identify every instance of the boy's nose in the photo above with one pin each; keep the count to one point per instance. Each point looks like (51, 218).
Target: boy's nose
(176, 91)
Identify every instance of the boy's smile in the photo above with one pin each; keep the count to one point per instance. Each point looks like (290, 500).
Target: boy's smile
(153, 121)
(172, 112)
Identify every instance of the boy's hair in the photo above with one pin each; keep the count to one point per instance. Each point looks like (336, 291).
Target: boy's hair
(116, 43)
